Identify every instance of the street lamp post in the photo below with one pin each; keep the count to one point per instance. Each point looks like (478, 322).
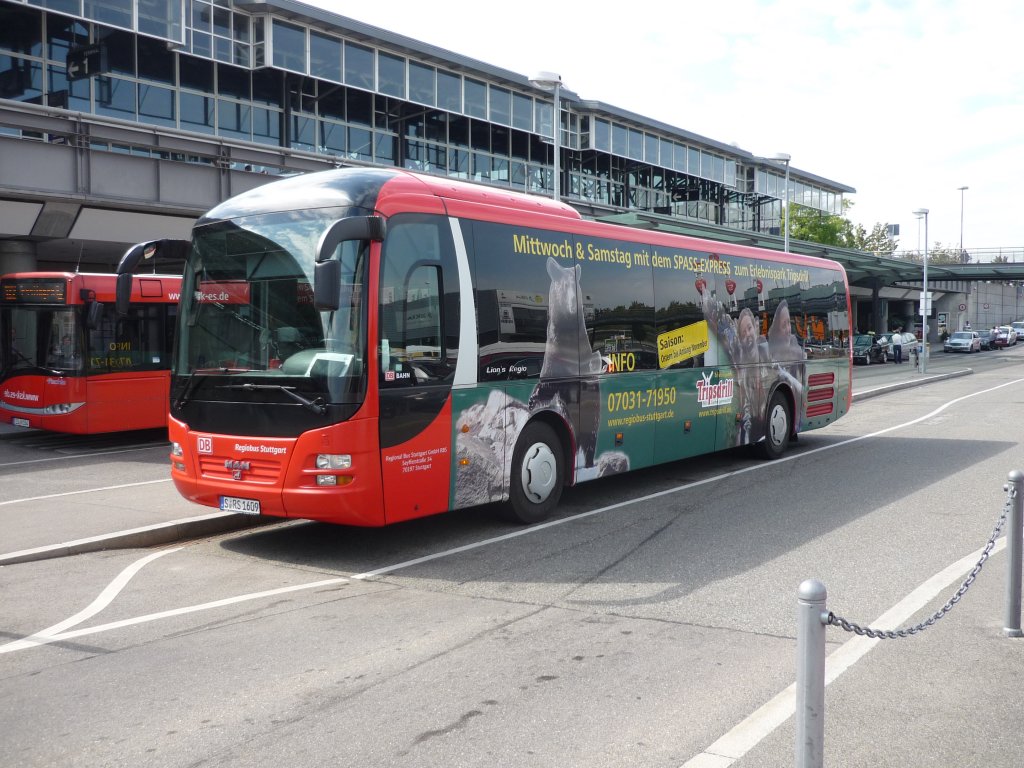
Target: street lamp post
(552, 81)
(962, 190)
(783, 157)
(923, 213)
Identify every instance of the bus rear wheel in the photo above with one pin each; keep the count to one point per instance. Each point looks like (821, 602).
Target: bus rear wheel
(538, 473)
(778, 426)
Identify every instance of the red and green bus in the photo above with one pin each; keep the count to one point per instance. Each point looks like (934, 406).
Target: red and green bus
(69, 362)
(367, 346)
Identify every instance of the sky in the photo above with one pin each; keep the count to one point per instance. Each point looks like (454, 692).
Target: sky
(904, 100)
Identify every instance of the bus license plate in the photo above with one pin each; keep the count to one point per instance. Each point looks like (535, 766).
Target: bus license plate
(20, 422)
(241, 506)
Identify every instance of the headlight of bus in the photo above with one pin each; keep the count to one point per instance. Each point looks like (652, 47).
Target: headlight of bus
(333, 461)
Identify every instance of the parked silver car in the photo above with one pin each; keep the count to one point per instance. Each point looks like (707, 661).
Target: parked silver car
(963, 341)
(909, 342)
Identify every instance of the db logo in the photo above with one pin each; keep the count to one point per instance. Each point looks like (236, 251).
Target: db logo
(389, 375)
(204, 444)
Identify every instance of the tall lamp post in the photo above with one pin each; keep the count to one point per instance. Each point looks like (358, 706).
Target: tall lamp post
(552, 81)
(923, 213)
(783, 157)
(962, 190)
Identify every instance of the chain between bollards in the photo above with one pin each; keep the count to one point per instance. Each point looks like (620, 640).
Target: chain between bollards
(813, 619)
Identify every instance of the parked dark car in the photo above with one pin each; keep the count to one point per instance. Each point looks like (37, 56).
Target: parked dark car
(988, 338)
(868, 348)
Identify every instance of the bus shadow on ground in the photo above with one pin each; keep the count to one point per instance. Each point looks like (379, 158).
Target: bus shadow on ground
(666, 521)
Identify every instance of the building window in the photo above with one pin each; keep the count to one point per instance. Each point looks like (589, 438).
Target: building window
(651, 146)
(522, 112)
(117, 13)
(234, 82)
(325, 57)
(289, 46)
(635, 144)
(501, 106)
(266, 126)
(359, 66)
(601, 135)
(422, 86)
(620, 140)
(391, 75)
(234, 120)
(544, 119)
(449, 91)
(475, 101)
(196, 112)
(161, 18)
(156, 105)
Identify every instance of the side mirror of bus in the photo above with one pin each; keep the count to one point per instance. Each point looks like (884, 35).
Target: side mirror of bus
(327, 285)
(123, 293)
(327, 272)
(174, 250)
(94, 313)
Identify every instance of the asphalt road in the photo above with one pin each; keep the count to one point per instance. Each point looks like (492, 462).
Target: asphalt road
(648, 624)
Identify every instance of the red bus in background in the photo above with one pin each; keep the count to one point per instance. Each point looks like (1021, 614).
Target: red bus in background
(70, 362)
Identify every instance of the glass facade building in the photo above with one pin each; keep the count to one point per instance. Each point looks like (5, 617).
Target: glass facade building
(287, 75)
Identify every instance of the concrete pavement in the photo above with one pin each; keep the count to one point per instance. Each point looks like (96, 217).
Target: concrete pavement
(162, 518)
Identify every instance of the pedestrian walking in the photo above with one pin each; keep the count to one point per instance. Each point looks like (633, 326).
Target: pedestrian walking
(897, 345)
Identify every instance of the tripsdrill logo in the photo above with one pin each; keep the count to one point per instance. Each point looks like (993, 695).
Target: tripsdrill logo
(711, 394)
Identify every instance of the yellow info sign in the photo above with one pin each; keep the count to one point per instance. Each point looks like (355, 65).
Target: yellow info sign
(682, 344)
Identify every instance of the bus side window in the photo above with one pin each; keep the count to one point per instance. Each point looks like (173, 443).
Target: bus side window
(418, 322)
(411, 350)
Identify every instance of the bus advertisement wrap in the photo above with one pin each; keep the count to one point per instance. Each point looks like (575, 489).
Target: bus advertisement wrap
(474, 349)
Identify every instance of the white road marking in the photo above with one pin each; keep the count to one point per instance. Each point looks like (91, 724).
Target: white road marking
(84, 490)
(105, 598)
(81, 455)
(72, 634)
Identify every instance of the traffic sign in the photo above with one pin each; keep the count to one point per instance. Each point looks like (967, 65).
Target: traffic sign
(86, 61)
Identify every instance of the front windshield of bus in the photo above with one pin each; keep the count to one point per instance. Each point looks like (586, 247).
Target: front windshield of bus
(41, 340)
(247, 310)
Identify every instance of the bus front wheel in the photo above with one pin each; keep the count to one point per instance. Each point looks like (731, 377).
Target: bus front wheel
(538, 474)
(778, 426)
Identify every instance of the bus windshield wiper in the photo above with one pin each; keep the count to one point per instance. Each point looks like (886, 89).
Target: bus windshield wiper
(18, 355)
(316, 406)
(186, 393)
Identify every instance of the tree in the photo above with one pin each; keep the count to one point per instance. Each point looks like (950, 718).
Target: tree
(829, 229)
(937, 254)
(817, 227)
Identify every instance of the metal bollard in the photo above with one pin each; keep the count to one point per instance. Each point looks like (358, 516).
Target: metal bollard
(1014, 544)
(812, 621)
